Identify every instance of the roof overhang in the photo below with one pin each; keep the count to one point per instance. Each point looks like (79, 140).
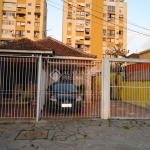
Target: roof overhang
(50, 53)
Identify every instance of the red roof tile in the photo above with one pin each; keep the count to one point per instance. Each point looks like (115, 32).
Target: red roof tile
(62, 49)
(23, 44)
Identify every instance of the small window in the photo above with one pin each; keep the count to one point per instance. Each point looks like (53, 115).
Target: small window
(29, 13)
(104, 39)
(121, 32)
(88, 5)
(37, 6)
(29, 4)
(28, 31)
(87, 31)
(87, 37)
(28, 22)
(37, 24)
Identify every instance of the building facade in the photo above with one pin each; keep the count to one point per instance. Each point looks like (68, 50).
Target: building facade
(94, 26)
(22, 18)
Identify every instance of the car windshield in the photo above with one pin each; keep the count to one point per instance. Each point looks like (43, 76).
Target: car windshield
(64, 87)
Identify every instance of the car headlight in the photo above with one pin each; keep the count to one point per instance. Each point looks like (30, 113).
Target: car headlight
(79, 98)
(53, 99)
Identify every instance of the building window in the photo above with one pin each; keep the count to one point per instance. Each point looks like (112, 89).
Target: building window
(87, 14)
(80, 29)
(104, 15)
(5, 31)
(87, 30)
(80, 13)
(9, 5)
(80, 22)
(87, 37)
(110, 40)
(69, 20)
(104, 31)
(104, 7)
(8, 13)
(69, 13)
(7, 22)
(111, 8)
(37, 6)
(121, 32)
(36, 33)
(37, 24)
(87, 47)
(80, 46)
(88, 5)
(29, 4)
(28, 22)
(21, 15)
(121, 16)
(104, 39)
(111, 17)
(20, 23)
(20, 33)
(87, 22)
(29, 13)
(37, 15)
(121, 9)
(28, 31)
(111, 32)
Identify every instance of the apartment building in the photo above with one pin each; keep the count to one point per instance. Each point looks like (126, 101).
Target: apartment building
(93, 26)
(22, 18)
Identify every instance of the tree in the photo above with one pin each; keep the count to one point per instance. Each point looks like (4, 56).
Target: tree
(116, 51)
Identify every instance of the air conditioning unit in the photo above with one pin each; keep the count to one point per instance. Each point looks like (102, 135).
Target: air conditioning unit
(36, 18)
(70, 40)
(69, 14)
(70, 22)
(24, 16)
(35, 35)
(14, 17)
(87, 23)
(19, 9)
(13, 34)
(78, 40)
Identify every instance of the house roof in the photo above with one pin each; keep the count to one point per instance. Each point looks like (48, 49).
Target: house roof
(62, 49)
(23, 44)
(133, 55)
(145, 51)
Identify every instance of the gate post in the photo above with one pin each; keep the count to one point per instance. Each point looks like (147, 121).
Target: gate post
(38, 88)
(105, 103)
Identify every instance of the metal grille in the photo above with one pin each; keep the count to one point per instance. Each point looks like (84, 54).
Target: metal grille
(18, 86)
(129, 89)
(72, 88)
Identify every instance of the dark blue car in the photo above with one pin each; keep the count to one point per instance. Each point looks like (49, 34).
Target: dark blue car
(63, 96)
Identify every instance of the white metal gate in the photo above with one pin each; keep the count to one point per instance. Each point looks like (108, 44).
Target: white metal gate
(126, 89)
(72, 88)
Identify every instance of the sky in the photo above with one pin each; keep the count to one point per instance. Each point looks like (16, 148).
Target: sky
(138, 13)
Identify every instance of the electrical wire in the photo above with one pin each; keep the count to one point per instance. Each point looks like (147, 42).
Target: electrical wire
(125, 20)
(145, 34)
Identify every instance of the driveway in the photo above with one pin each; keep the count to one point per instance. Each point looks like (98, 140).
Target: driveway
(75, 134)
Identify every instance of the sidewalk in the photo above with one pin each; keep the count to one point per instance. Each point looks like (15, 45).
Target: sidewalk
(75, 134)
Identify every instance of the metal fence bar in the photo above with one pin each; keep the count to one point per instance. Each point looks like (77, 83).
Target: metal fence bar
(38, 88)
